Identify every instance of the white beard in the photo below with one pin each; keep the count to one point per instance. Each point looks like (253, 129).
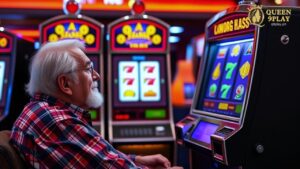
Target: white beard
(95, 98)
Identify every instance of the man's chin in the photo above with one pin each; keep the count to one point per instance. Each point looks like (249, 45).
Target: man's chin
(95, 99)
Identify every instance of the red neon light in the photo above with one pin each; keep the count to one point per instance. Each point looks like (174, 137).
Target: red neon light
(138, 7)
(72, 6)
(122, 116)
(152, 5)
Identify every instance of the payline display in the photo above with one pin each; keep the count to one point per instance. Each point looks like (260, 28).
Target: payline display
(226, 82)
(140, 81)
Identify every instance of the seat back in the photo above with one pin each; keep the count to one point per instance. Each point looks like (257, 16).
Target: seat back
(9, 158)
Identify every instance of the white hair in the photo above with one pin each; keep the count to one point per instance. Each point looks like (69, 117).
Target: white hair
(52, 59)
(95, 98)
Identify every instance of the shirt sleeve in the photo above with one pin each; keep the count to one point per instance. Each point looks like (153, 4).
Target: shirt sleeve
(77, 145)
(132, 157)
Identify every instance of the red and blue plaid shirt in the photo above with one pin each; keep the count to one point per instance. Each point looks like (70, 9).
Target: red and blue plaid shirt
(50, 133)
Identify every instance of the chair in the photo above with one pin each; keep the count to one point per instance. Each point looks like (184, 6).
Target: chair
(9, 158)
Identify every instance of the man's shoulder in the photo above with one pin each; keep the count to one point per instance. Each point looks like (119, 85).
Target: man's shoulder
(43, 114)
(57, 112)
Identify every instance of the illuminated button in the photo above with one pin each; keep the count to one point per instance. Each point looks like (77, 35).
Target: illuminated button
(238, 108)
(93, 114)
(231, 107)
(206, 104)
(223, 106)
(159, 130)
(122, 116)
(155, 114)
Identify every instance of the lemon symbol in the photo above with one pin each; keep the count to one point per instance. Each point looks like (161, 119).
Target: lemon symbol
(217, 72)
(129, 93)
(244, 70)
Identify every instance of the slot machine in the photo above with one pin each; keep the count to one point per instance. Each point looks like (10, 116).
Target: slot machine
(76, 26)
(14, 60)
(139, 105)
(244, 112)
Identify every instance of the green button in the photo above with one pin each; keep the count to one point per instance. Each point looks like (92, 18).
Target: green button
(238, 108)
(93, 114)
(155, 114)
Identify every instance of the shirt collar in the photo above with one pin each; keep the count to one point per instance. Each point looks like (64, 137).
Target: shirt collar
(52, 101)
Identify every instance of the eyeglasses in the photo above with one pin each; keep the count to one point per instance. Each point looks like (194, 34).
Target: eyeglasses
(90, 69)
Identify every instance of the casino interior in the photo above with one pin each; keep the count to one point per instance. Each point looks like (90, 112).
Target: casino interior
(198, 81)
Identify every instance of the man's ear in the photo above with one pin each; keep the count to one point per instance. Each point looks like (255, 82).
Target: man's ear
(64, 84)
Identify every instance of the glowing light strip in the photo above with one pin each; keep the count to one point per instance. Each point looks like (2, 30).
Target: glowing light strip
(159, 7)
(27, 33)
(235, 42)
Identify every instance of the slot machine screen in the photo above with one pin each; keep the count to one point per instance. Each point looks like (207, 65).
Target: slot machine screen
(227, 75)
(139, 80)
(2, 77)
(203, 131)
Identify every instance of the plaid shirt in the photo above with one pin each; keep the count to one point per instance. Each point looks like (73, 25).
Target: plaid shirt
(52, 134)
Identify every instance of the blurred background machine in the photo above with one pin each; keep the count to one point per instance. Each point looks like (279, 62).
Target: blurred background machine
(140, 110)
(15, 53)
(244, 113)
(76, 26)
(183, 85)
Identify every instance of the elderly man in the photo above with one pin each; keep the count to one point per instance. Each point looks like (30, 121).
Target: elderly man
(54, 130)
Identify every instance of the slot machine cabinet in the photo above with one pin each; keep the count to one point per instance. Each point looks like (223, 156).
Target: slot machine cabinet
(244, 113)
(76, 26)
(139, 105)
(15, 53)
